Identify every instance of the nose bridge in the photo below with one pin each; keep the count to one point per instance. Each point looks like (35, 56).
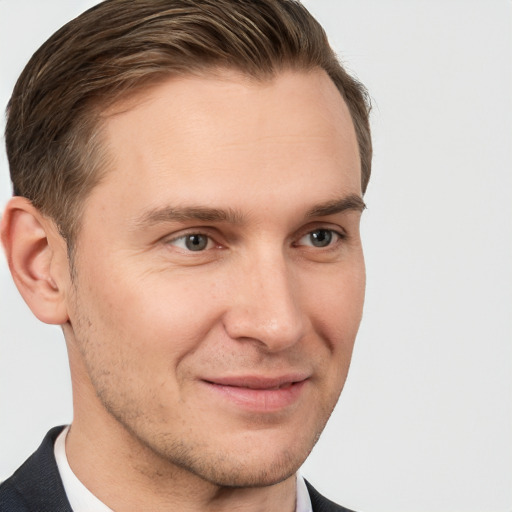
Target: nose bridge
(266, 306)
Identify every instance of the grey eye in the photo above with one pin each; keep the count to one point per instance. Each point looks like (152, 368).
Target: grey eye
(193, 242)
(321, 237)
(196, 242)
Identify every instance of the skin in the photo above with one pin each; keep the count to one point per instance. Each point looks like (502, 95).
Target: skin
(175, 353)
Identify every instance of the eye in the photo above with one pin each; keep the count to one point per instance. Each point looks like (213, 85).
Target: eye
(192, 242)
(320, 238)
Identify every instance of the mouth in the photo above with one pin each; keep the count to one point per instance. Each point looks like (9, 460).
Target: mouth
(257, 393)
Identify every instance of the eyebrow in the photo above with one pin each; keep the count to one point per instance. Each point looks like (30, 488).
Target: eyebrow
(229, 215)
(352, 202)
(188, 213)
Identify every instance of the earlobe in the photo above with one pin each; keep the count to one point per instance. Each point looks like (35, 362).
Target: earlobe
(36, 258)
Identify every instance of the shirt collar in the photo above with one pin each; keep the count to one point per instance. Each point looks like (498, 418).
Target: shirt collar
(79, 497)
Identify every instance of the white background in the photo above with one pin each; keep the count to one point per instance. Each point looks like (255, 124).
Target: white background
(425, 420)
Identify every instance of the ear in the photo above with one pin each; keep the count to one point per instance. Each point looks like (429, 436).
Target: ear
(37, 258)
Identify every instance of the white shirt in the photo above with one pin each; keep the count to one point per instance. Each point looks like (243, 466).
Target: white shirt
(83, 500)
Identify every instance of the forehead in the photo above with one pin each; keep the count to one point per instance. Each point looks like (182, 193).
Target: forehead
(226, 138)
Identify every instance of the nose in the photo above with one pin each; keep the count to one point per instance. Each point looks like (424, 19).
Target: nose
(265, 305)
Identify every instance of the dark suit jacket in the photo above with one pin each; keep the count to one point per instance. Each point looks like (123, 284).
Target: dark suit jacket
(36, 486)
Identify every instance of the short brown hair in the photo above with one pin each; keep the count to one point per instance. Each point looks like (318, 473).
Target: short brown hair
(53, 118)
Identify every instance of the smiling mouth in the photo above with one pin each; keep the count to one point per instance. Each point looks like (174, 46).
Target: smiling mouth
(258, 387)
(259, 394)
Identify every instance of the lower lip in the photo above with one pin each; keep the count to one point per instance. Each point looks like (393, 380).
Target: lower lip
(260, 400)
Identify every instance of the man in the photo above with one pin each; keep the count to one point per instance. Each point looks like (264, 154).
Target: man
(188, 179)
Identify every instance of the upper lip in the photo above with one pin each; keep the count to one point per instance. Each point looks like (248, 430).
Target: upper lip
(258, 381)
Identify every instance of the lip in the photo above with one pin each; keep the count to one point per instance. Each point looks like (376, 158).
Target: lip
(259, 393)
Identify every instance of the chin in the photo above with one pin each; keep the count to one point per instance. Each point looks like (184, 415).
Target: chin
(238, 465)
(231, 472)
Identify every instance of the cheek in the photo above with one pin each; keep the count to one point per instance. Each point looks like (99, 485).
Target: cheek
(337, 300)
(336, 314)
(140, 337)
(150, 308)
(133, 339)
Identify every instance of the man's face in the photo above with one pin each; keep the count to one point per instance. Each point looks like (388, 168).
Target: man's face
(219, 275)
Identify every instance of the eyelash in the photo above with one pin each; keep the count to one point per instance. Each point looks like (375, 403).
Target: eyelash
(336, 237)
